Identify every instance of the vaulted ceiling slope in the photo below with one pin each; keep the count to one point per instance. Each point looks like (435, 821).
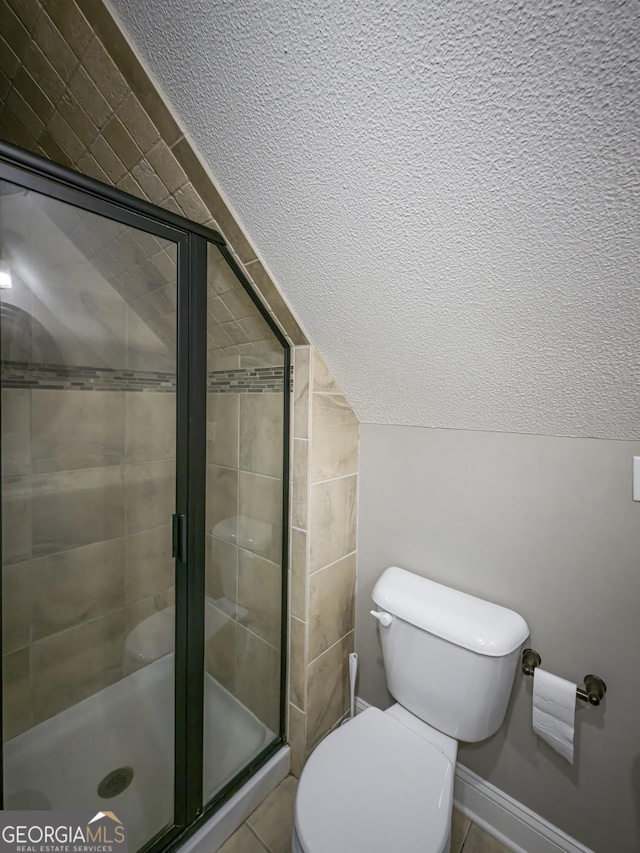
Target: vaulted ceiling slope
(447, 193)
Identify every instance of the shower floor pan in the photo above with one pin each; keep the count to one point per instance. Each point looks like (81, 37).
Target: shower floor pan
(61, 763)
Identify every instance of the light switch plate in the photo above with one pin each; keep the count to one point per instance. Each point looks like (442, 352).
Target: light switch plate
(636, 478)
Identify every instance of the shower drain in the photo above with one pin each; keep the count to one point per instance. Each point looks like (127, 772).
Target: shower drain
(115, 782)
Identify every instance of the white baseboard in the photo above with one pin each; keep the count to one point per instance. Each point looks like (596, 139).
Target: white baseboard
(506, 819)
(516, 826)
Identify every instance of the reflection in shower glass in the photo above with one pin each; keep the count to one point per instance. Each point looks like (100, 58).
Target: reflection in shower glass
(245, 387)
(88, 350)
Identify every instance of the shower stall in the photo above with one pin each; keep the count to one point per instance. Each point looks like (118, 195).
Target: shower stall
(144, 439)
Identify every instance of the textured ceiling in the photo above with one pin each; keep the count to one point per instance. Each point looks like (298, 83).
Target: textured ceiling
(446, 193)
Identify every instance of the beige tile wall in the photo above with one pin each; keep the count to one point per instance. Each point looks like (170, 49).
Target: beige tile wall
(86, 539)
(323, 554)
(244, 502)
(243, 552)
(72, 90)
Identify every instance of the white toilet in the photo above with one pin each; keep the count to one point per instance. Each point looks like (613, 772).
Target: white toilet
(384, 781)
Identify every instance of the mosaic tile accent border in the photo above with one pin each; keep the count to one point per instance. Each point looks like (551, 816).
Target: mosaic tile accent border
(246, 379)
(22, 374)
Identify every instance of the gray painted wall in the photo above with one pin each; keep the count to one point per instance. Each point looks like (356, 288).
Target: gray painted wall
(546, 526)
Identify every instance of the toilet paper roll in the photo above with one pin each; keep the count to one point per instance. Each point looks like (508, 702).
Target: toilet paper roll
(554, 711)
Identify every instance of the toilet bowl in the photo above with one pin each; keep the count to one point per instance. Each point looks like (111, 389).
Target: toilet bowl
(374, 785)
(384, 781)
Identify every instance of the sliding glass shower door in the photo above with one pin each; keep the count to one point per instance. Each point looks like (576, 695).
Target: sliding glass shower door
(144, 486)
(88, 349)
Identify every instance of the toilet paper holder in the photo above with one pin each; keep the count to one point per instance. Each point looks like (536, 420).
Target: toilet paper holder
(595, 688)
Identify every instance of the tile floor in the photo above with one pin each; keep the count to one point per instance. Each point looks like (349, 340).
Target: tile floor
(269, 828)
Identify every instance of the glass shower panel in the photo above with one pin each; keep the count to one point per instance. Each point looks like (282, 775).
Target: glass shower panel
(88, 359)
(244, 489)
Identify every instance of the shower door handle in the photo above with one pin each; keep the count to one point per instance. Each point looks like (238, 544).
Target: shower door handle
(179, 537)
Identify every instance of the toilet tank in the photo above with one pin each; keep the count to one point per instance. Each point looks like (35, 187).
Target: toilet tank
(450, 658)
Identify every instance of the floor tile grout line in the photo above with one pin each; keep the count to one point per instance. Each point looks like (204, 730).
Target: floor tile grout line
(256, 836)
(466, 833)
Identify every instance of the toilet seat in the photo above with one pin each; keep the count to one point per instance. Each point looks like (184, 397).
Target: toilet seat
(374, 785)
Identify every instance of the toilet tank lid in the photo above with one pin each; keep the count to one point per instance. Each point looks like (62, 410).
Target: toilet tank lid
(470, 622)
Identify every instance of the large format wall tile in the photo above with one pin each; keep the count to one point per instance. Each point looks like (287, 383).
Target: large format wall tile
(298, 559)
(296, 735)
(323, 381)
(300, 495)
(333, 520)
(260, 596)
(68, 667)
(301, 361)
(260, 499)
(16, 519)
(149, 564)
(77, 586)
(332, 593)
(17, 708)
(297, 658)
(151, 494)
(76, 429)
(261, 423)
(328, 689)
(222, 429)
(222, 499)
(221, 568)
(258, 677)
(220, 650)
(16, 431)
(150, 426)
(17, 602)
(334, 449)
(76, 508)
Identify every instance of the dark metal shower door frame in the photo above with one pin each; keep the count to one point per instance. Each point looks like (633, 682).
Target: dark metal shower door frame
(46, 178)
